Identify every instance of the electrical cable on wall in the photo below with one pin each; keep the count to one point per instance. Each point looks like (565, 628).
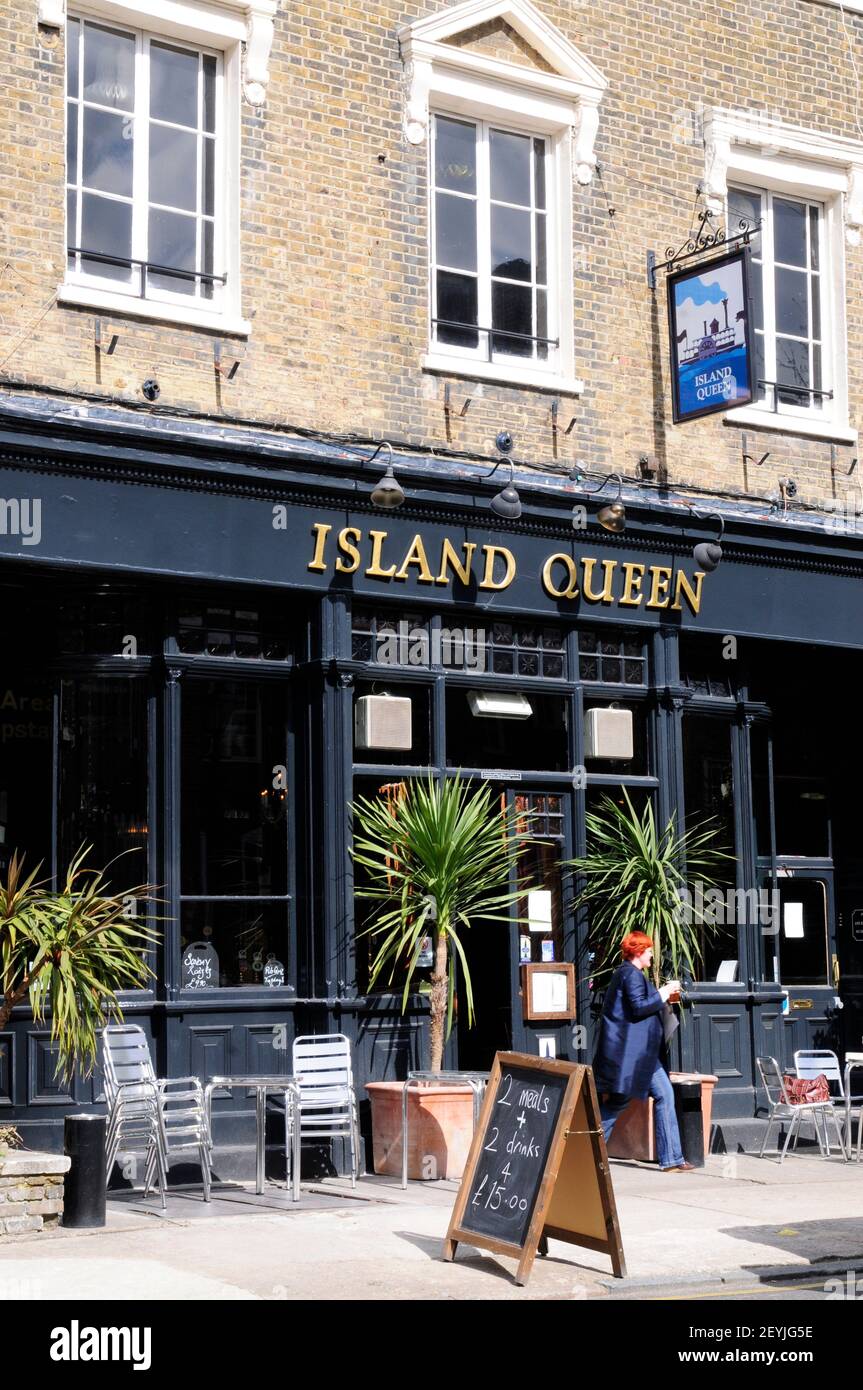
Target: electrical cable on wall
(854, 69)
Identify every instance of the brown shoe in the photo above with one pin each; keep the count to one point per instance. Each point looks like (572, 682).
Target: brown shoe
(680, 1168)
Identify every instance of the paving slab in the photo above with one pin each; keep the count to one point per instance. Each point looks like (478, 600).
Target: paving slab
(381, 1242)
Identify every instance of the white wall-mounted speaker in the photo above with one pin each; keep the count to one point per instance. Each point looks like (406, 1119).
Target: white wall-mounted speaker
(608, 733)
(383, 721)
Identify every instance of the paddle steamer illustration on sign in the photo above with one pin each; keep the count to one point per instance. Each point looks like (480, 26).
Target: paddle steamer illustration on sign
(710, 351)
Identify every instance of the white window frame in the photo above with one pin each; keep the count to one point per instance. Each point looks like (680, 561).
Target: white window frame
(561, 105)
(750, 150)
(140, 200)
(480, 354)
(820, 410)
(216, 26)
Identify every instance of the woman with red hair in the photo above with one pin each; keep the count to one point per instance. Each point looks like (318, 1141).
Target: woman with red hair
(627, 1063)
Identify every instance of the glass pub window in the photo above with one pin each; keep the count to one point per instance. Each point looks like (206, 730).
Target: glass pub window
(394, 638)
(224, 630)
(141, 161)
(234, 825)
(524, 649)
(490, 261)
(787, 265)
(612, 658)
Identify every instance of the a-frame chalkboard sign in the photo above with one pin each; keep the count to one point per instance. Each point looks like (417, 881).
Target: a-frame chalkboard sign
(537, 1167)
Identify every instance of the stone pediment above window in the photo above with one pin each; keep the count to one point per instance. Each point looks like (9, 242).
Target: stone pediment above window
(488, 56)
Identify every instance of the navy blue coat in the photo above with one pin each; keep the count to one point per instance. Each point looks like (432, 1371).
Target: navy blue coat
(630, 1034)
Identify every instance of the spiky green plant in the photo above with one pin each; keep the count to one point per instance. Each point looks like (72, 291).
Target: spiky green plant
(632, 878)
(68, 953)
(437, 858)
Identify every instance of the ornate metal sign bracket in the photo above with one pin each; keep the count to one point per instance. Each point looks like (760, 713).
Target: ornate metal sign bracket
(707, 239)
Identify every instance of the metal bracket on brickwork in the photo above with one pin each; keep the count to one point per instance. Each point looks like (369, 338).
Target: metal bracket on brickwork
(110, 348)
(447, 401)
(221, 368)
(555, 419)
(750, 458)
(707, 240)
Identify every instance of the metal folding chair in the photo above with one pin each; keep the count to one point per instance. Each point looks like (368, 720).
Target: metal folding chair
(160, 1118)
(328, 1103)
(813, 1061)
(782, 1111)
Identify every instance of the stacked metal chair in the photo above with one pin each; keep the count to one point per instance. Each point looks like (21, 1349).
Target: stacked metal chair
(158, 1118)
(328, 1101)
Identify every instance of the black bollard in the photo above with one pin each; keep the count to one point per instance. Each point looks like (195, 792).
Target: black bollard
(84, 1192)
(687, 1103)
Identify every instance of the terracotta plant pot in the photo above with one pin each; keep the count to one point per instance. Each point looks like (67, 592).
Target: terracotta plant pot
(440, 1129)
(633, 1136)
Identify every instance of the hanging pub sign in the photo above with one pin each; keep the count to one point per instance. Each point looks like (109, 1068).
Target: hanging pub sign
(711, 346)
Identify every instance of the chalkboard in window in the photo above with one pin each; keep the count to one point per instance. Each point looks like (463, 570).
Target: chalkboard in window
(538, 1167)
(200, 966)
(274, 972)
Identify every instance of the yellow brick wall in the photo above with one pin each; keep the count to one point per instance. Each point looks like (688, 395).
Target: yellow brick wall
(334, 248)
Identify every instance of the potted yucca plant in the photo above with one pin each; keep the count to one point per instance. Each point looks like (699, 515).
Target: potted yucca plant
(633, 878)
(438, 858)
(67, 953)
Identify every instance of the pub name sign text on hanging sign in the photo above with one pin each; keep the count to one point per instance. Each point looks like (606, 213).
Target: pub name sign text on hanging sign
(620, 583)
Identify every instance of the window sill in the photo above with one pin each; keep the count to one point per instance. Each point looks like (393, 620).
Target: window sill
(127, 306)
(502, 373)
(791, 424)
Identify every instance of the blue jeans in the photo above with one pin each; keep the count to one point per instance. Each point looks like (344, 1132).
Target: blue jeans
(668, 1150)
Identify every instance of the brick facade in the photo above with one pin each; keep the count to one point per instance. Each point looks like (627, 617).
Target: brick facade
(334, 236)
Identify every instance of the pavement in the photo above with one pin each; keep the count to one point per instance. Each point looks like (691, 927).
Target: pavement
(740, 1224)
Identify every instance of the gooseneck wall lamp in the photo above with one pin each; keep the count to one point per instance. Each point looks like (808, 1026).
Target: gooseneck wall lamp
(507, 502)
(388, 492)
(612, 515)
(708, 554)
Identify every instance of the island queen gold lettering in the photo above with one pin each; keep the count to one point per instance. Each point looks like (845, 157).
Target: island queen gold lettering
(623, 584)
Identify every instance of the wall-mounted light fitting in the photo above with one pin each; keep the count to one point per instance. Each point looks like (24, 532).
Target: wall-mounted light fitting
(708, 554)
(612, 516)
(507, 502)
(388, 492)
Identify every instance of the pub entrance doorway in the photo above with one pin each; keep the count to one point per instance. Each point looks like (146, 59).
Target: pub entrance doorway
(536, 931)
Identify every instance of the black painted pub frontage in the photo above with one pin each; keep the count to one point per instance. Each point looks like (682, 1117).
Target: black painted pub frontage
(190, 616)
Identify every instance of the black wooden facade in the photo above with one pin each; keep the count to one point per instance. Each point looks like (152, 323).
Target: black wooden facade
(216, 550)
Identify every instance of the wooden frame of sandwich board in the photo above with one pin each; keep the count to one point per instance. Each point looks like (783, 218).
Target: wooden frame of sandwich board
(566, 1207)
